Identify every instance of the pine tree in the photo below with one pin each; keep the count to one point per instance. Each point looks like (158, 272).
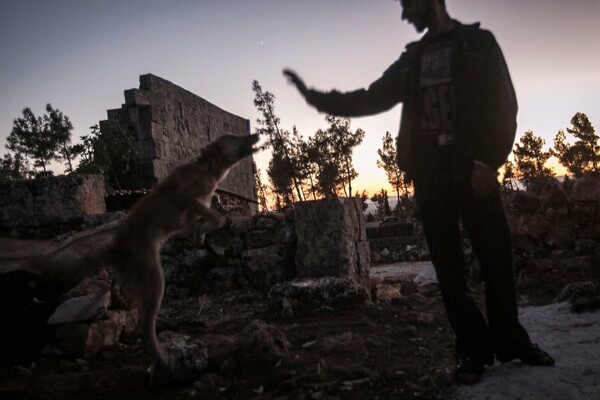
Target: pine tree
(530, 158)
(584, 155)
(43, 139)
(387, 161)
(282, 164)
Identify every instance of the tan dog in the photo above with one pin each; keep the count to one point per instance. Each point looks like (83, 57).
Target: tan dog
(132, 246)
(178, 202)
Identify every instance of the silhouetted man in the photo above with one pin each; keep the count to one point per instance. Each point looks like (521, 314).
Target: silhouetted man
(457, 128)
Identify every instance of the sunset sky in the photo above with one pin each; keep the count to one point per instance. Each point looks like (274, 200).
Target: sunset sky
(79, 55)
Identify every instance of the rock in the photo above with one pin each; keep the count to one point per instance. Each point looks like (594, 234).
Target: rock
(235, 247)
(586, 188)
(263, 344)
(376, 257)
(540, 265)
(585, 247)
(576, 289)
(267, 222)
(535, 226)
(97, 284)
(581, 263)
(86, 338)
(220, 349)
(219, 280)
(426, 276)
(187, 357)
(302, 296)
(525, 202)
(384, 291)
(264, 267)
(409, 288)
(429, 289)
(240, 225)
(260, 238)
(84, 308)
(560, 234)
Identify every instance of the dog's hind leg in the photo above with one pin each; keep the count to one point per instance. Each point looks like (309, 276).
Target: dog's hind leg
(153, 290)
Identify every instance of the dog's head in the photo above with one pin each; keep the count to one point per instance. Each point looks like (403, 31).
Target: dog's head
(228, 150)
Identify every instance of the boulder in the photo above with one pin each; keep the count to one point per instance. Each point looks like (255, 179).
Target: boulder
(305, 296)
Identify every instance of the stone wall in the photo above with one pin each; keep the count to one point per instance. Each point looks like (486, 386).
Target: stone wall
(49, 201)
(171, 125)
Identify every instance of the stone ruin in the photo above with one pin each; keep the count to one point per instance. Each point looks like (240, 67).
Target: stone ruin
(170, 125)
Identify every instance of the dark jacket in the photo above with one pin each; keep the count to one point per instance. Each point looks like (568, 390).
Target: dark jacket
(486, 105)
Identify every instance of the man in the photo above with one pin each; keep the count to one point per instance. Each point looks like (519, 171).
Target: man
(457, 128)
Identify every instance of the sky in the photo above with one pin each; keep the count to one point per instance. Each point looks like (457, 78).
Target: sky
(80, 55)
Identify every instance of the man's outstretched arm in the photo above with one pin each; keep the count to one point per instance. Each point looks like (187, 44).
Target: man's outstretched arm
(380, 96)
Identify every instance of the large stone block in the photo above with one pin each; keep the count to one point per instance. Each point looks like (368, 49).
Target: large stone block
(331, 239)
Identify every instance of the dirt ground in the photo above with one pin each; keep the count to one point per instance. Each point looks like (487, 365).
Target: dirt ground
(397, 350)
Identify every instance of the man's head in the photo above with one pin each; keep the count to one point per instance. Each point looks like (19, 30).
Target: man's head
(421, 13)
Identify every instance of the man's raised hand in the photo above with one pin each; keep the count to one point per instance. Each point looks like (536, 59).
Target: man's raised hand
(292, 77)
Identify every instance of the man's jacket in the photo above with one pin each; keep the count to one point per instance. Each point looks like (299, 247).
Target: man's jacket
(486, 106)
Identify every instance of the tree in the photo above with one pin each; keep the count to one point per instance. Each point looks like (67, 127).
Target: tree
(110, 151)
(584, 155)
(14, 167)
(343, 143)
(331, 153)
(261, 191)
(325, 169)
(508, 176)
(530, 158)
(43, 139)
(363, 199)
(60, 126)
(30, 139)
(280, 175)
(387, 161)
(383, 205)
(282, 171)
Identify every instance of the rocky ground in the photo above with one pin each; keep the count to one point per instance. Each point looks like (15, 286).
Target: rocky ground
(398, 347)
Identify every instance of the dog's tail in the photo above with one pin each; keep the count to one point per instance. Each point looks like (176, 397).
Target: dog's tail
(45, 257)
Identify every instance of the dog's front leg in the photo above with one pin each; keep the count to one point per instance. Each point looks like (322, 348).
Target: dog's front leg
(211, 220)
